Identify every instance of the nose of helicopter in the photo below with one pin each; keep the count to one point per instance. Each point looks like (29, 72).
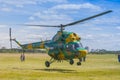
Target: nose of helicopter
(82, 53)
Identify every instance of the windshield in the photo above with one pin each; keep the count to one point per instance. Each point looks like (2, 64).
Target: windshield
(78, 45)
(74, 46)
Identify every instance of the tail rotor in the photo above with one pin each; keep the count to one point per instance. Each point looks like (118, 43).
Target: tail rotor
(10, 36)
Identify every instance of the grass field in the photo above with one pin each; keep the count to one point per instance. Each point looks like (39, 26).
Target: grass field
(97, 67)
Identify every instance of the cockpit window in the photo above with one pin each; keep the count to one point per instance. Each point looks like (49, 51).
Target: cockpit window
(70, 47)
(74, 46)
(78, 45)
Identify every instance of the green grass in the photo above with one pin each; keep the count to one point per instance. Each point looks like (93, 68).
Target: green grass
(97, 67)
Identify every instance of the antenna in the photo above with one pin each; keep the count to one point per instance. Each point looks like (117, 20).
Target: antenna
(10, 38)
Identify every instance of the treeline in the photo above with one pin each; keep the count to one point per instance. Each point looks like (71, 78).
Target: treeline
(105, 52)
(21, 51)
(44, 51)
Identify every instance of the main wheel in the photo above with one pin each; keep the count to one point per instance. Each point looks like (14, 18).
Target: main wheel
(47, 64)
(78, 63)
(71, 61)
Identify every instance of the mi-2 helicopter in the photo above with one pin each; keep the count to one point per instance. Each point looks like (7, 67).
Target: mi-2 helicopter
(63, 46)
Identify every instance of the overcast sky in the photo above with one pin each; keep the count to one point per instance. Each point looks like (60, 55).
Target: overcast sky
(100, 33)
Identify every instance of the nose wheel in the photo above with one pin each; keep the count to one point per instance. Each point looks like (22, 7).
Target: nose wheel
(71, 61)
(47, 64)
(78, 63)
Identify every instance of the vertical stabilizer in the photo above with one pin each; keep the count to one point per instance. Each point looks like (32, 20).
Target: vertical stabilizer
(17, 42)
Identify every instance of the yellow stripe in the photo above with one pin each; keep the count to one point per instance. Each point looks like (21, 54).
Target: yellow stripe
(29, 46)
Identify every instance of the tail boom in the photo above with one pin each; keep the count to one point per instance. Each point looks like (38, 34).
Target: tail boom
(36, 45)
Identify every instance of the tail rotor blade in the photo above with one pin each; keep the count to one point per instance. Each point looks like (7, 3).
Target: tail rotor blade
(10, 38)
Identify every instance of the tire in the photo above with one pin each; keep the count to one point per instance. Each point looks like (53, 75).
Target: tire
(78, 63)
(47, 64)
(71, 61)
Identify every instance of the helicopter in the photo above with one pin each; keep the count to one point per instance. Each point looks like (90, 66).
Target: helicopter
(63, 46)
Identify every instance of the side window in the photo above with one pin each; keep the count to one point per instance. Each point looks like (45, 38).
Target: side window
(81, 45)
(51, 48)
(70, 47)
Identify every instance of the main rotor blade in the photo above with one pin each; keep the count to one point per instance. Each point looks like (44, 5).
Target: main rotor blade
(76, 22)
(42, 25)
(73, 23)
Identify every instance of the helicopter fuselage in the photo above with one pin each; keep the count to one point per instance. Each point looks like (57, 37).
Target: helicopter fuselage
(66, 45)
(63, 46)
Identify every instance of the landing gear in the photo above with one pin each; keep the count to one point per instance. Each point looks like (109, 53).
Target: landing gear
(78, 63)
(71, 61)
(47, 64)
(84, 59)
(22, 57)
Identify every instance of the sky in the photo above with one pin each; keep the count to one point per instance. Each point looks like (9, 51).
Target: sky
(102, 32)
